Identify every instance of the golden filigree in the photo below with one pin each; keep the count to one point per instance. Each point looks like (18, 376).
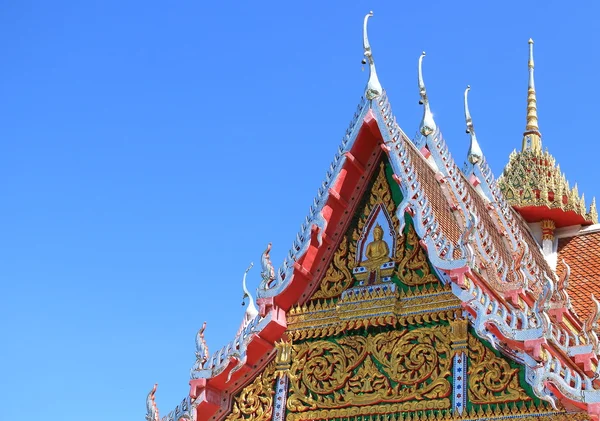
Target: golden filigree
(255, 401)
(534, 179)
(411, 266)
(438, 411)
(418, 360)
(337, 277)
(395, 366)
(368, 380)
(380, 194)
(459, 334)
(283, 359)
(491, 378)
(411, 261)
(358, 412)
(379, 307)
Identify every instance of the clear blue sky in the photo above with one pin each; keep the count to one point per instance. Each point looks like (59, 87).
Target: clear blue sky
(150, 150)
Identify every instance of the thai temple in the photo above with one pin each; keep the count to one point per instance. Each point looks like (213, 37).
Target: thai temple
(418, 289)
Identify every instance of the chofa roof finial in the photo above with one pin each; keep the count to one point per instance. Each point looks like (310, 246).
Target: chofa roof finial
(532, 138)
(151, 409)
(427, 123)
(475, 154)
(251, 311)
(374, 88)
(202, 353)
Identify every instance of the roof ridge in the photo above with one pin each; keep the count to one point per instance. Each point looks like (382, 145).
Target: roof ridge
(300, 244)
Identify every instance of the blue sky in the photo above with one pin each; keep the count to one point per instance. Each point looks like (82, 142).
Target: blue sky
(150, 150)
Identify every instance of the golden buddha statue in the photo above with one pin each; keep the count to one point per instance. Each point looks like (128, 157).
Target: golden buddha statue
(377, 252)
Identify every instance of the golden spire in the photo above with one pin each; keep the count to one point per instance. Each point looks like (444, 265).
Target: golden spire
(532, 138)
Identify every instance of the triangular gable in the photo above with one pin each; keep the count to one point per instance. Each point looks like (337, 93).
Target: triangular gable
(392, 344)
(484, 261)
(446, 234)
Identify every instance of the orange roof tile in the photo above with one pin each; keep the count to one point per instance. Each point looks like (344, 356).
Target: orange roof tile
(582, 254)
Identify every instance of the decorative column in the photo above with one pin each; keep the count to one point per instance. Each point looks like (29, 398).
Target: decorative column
(282, 370)
(458, 343)
(548, 227)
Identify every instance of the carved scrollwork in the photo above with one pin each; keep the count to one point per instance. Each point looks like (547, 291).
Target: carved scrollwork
(338, 276)
(411, 265)
(380, 195)
(255, 401)
(491, 378)
(394, 366)
(411, 261)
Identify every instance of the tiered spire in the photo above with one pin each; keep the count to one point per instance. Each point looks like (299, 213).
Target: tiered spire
(532, 181)
(374, 88)
(532, 138)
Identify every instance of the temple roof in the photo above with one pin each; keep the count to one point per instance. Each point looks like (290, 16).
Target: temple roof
(478, 245)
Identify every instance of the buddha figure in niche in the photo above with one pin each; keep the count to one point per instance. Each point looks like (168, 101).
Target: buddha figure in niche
(377, 252)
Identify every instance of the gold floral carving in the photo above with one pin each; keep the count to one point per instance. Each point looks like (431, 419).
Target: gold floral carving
(255, 401)
(337, 277)
(381, 194)
(410, 258)
(424, 304)
(389, 367)
(411, 261)
(283, 358)
(491, 378)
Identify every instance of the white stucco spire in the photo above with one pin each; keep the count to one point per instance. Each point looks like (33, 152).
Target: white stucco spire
(374, 88)
(475, 154)
(428, 125)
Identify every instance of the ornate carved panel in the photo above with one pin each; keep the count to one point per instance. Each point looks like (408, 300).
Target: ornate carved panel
(407, 261)
(398, 366)
(491, 378)
(255, 401)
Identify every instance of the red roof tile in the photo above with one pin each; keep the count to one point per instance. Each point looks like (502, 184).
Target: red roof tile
(582, 254)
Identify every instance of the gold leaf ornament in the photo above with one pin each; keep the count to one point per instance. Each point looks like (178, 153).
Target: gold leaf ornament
(255, 401)
(491, 378)
(393, 366)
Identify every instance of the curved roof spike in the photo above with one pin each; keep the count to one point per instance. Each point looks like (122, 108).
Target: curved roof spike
(428, 125)
(251, 311)
(374, 88)
(244, 288)
(590, 325)
(595, 311)
(468, 118)
(475, 153)
(422, 90)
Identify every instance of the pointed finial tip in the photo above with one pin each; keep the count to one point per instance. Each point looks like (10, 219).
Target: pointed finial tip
(374, 88)
(531, 40)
